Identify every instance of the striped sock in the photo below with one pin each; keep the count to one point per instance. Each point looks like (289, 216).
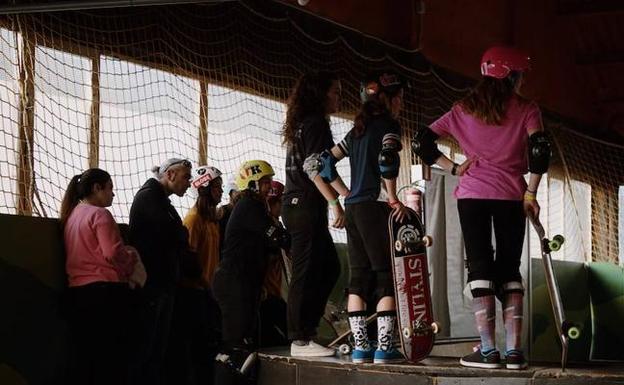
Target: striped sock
(485, 317)
(512, 316)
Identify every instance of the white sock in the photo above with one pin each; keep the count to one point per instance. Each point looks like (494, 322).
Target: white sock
(385, 329)
(357, 321)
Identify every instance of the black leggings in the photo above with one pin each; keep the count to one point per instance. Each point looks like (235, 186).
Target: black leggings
(476, 217)
(100, 323)
(315, 267)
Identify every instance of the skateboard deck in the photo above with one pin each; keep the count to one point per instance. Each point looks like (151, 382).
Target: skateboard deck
(408, 245)
(565, 329)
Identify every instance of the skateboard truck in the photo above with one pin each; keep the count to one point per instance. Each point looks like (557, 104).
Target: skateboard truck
(412, 246)
(421, 328)
(566, 329)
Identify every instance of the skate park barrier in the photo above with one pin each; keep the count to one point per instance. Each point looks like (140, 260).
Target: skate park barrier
(33, 331)
(593, 298)
(606, 285)
(544, 345)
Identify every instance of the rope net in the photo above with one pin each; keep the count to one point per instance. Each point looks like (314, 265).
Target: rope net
(124, 89)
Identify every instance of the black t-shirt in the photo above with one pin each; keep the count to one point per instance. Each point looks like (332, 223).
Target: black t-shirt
(313, 136)
(363, 151)
(246, 248)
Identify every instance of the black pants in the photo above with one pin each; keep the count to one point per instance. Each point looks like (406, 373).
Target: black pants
(153, 329)
(195, 337)
(239, 301)
(273, 322)
(100, 321)
(369, 250)
(477, 217)
(315, 266)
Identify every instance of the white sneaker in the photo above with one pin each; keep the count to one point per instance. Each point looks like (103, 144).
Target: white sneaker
(312, 349)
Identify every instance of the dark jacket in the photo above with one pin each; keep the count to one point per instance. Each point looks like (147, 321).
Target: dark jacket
(247, 249)
(157, 232)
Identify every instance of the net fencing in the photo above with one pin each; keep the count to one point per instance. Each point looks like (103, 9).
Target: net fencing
(124, 89)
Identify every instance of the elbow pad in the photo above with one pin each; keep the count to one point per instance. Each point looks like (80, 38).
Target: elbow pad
(425, 147)
(278, 237)
(539, 152)
(389, 162)
(323, 164)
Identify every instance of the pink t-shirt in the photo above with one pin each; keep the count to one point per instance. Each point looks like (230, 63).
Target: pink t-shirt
(499, 152)
(94, 248)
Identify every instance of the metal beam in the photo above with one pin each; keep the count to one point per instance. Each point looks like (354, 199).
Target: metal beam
(57, 6)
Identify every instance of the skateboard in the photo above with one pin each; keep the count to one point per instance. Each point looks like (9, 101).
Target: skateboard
(343, 342)
(566, 329)
(408, 244)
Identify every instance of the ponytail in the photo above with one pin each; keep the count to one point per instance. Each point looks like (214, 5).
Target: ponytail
(80, 187)
(377, 105)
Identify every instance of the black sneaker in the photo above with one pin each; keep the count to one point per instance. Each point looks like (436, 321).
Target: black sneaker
(515, 360)
(488, 360)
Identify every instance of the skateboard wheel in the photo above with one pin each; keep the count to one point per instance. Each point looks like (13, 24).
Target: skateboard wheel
(407, 333)
(435, 327)
(556, 242)
(344, 349)
(398, 245)
(427, 241)
(574, 332)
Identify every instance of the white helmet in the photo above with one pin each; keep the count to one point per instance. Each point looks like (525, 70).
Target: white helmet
(203, 175)
(230, 186)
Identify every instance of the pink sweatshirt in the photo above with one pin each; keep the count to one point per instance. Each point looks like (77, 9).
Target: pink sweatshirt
(94, 248)
(499, 153)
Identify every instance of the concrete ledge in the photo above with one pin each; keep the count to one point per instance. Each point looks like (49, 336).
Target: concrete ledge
(277, 367)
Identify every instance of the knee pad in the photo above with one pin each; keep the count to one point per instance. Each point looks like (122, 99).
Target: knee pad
(481, 288)
(512, 287)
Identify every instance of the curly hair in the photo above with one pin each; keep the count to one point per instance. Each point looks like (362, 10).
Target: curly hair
(309, 97)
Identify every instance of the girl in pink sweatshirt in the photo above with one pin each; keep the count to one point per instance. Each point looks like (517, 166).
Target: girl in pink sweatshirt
(101, 271)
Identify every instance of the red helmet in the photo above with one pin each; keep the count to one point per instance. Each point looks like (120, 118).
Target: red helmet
(277, 189)
(499, 61)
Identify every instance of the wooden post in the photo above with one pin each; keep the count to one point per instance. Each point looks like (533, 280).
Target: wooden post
(26, 122)
(94, 129)
(203, 123)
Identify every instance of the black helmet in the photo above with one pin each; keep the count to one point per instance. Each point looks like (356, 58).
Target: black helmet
(388, 82)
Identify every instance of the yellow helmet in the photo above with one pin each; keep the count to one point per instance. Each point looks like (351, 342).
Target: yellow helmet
(252, 171)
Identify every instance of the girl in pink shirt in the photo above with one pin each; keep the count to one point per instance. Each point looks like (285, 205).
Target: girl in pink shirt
(496, 129)
(101, 272)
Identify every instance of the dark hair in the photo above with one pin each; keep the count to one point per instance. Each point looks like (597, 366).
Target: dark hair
(251, 194)
(205, 204)
(81, 186)
(489, 99)
(376, 105)
(309, 97)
